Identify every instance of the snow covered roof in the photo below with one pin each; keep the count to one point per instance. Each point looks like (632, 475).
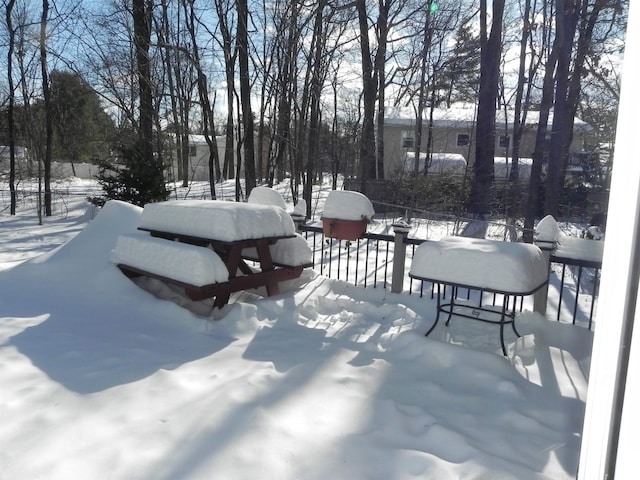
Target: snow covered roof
(462, 117)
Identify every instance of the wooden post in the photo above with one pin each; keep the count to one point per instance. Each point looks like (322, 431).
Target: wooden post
(401, 230)
(541, 296)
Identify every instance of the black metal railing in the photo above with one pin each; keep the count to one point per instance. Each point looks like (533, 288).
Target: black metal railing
(368, 262)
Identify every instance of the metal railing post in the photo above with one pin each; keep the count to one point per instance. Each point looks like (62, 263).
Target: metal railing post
(401, 230)
(298, 220)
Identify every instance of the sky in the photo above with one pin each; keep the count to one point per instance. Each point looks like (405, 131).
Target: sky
(105, 378)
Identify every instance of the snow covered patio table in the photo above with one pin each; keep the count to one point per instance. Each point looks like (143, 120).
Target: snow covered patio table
(505, 268)
(235, 232)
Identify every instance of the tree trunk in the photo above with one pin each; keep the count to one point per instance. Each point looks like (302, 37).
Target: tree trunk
(245, 96)
(380, 64)
(540, 151)
(519, 117)
(208, 126)
(566, 23)
(369, 86)
(173, 95)
(315, 92)
(47, 108)
(142, 13)
(228, 169)
(491, 48)
(10, 112)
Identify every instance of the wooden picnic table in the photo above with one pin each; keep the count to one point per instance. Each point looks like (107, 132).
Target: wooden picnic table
(237, 233)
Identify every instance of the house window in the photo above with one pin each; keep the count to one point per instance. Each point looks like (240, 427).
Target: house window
(193, 150)
(503, 141)
(407, 140)
(462, 140)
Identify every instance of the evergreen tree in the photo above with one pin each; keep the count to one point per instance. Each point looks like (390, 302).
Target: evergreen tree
(137, 181)
(460, 77)
(83, 131)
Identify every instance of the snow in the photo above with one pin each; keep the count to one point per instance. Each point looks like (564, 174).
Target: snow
(292, 252)
(580, 249)
(439, 163)
(224, 221)
(102, 379)
(488, 264)
(186, 263)
(548, 232)
(300, 209)
(502, 167)
(266, 196)
(347, 205)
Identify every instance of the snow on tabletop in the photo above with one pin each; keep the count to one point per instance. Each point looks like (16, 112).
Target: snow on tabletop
(219, 220)
(180, 261)
(266, 196)
(489, 264)
(348, 205)
(288, 251)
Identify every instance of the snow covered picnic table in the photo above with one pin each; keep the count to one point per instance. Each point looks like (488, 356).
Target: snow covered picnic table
(505, 268)
(209, 242)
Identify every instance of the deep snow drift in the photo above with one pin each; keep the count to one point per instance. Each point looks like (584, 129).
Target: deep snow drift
(101, 379)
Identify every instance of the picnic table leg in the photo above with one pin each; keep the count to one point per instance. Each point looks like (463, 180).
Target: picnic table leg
(266, 264)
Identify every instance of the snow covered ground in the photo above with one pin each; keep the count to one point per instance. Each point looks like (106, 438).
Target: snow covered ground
(103, 380)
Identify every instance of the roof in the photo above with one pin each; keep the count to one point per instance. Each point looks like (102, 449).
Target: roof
(462, 117)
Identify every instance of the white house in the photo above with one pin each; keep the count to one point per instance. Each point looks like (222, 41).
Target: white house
(453, 133)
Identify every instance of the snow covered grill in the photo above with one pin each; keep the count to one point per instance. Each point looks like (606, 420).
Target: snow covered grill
(506, 268)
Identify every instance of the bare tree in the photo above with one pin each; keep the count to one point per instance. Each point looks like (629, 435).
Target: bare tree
(48, 114)
(521, 106)
(576, 23)
(208, 126)
(245, 96)
(11, 117)
(369, 96)
(229, 52)
(490, 51)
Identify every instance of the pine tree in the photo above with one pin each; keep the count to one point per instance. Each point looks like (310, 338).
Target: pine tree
(136, 181)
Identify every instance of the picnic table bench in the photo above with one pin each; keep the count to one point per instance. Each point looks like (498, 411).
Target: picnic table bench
(204, 245)
(505, 268)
